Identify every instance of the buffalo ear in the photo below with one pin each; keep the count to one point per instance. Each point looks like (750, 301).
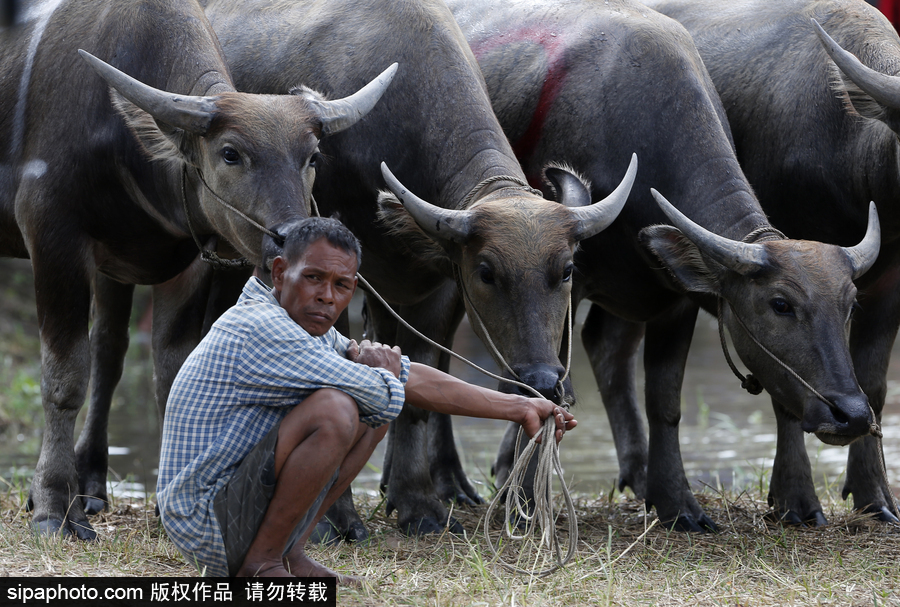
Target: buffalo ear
(681, 257)
(569, 187)
(158, 140)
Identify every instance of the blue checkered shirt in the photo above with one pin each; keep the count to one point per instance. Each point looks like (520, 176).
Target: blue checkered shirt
(252, 368)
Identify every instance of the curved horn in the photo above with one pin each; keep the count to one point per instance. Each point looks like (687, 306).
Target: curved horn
(863, 255)
(595, 218)
(882, 88)
(343, 113)
(742, 257)
(439, 223)
(191, 113)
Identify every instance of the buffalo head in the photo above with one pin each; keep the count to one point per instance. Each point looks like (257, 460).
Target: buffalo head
(794, 298)
(256, 152)
(512, 253)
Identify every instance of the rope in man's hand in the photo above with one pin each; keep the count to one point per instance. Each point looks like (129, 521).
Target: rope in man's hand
(517, 509)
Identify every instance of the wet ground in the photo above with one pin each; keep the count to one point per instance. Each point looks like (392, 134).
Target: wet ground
(727, 435)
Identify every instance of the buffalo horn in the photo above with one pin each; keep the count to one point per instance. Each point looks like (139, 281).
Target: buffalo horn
(191, 113)
(882, 88)
(595, 218)
(437, 222)
(744, 258)
(340, 114)
(863, 255)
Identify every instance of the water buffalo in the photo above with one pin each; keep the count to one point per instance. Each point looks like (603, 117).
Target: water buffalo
(103, 180)
(580, 82)
(817, 143)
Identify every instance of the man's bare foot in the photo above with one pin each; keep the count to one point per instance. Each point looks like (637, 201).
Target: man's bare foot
(300, 565)
(262, 569)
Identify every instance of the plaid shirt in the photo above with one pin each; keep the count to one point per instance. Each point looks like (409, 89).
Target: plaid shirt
(252, 368)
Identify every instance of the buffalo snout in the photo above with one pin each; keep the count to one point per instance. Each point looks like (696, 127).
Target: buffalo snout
(850, 418)
(542, 377)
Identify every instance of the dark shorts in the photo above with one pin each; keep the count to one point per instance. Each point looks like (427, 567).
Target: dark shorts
(242, 503)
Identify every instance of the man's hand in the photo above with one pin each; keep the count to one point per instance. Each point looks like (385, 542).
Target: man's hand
(375, 355)
(537, 410)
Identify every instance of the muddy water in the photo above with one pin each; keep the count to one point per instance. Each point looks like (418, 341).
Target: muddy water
(727, 435)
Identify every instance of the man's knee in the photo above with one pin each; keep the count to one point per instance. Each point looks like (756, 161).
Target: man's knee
(326, 411)
(340, 408)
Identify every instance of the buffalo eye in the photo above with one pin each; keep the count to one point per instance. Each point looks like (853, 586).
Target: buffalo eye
(486, 274)
(315, 160)
(853, 310)
(782, 307)
(230, 155)
(567, 272)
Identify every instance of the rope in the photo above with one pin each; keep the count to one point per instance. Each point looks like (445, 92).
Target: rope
(371, 290)
(209, 255)
(748, 383)
(277, 237)
(874, 428)
(486, 182)
(548, 462)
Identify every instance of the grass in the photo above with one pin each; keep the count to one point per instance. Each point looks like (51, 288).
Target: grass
(751, 561)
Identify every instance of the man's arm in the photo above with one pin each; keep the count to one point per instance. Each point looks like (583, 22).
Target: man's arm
(433, 390)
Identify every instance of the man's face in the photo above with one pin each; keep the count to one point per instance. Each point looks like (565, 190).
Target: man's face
(316, 288)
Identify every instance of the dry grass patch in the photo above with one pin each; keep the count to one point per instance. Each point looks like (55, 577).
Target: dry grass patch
(752, 561)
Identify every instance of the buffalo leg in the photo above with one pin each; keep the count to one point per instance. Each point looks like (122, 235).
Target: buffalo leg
(109, 344)
(63, 310)
(871, 339)
(179, 314)
(666, 346)
(407, 477)
(792, 493)
(447, 475)
(612, 346)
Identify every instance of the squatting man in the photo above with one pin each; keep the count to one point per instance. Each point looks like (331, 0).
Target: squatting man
(274, 413)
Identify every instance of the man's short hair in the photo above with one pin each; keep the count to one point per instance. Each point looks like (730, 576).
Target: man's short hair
(298, 237)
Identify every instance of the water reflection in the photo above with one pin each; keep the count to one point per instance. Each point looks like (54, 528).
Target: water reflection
(727, 435)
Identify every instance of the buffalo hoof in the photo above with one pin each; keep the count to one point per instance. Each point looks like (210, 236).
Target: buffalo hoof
(93, 505)
(78, 529)
(461, 499)
(637, 487)
(455, 488)
(813, 519)
(426, 525)
(791, 517)
(882, 514)
(686, 523)
(634, 477)
(328, 534)
(325, 533)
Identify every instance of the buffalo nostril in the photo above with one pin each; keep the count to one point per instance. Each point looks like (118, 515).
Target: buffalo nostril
(840, 417)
